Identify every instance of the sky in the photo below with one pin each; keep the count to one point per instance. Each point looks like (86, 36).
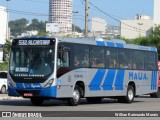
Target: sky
(118, 9)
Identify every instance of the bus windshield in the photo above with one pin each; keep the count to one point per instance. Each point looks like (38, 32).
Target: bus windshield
(31, 61)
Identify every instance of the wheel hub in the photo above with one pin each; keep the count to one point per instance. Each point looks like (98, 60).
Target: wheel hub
(76, 96)
(130, 94)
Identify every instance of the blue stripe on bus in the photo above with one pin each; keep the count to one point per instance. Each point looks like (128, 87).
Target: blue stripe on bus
(119, 45)
(97, 79)
(154, 80)
(100, 43)
(119, 80)
(19, 85)
(49, 92)
(154, 87)
(110, 44)
(107, 85)
(153, 49)
(28, 85)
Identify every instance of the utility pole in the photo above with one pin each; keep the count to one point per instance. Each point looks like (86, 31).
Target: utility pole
(86, 18)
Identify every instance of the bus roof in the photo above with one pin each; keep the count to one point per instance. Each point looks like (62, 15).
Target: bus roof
(106, 42)
(95, 41)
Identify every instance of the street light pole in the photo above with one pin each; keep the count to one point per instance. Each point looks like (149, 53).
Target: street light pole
(74, 12)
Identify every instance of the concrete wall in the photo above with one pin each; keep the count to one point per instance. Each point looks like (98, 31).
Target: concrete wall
(98, 26)
(156, 12)
(132, 29)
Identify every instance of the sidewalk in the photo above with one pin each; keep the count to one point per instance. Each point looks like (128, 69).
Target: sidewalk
(6, 97)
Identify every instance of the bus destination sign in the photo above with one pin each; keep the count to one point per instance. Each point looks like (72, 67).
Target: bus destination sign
(34, 42)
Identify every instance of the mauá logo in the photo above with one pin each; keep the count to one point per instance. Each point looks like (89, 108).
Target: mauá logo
(137, 76)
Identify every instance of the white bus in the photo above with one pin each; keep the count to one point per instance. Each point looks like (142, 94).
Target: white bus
(43, 68)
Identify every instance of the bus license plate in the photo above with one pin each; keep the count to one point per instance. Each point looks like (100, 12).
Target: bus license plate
(28, 94)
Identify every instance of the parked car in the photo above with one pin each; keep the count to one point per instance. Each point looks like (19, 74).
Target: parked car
(3, 82)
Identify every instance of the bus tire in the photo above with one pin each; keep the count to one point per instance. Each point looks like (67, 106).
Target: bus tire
(74, 101)
(156, 95)
(36, 101)
(121, 99)
(94, 99)
(130, 95)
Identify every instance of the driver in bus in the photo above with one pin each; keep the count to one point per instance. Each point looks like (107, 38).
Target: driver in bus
(42, 67)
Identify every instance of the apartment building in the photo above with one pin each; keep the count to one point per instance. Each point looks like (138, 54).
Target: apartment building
(60, 12)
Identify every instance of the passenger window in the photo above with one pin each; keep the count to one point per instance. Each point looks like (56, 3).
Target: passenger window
(150, 60)
(138, 60)
(111, 58)
(124, 57)
(81, 56)
(97, 57)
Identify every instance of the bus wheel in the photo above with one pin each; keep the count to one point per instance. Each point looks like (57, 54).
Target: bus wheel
(74, 101)
(121, 99)
(94, 99)
(156, 95)
(130, 95)
(37, 101)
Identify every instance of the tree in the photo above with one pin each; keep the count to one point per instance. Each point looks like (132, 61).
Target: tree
(77, 29)
(21, 25)
(149, 41)
(156, 31)
(152, 40)
(7, 46)
(42, 33)
(36, 25)
(18, 26)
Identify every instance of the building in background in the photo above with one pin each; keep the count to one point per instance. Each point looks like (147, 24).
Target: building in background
(113, 30)
(98, 26)
(60, 12)
(156, 14)
(3, 25)
(52, 28)
(3, 30)
(29, 33)
(139, 27)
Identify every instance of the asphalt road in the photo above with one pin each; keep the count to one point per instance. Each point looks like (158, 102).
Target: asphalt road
(143, 103)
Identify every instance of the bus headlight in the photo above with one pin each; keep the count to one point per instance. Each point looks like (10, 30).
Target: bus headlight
(49, 83)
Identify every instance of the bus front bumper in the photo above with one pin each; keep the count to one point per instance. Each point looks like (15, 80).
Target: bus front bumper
(44, 92)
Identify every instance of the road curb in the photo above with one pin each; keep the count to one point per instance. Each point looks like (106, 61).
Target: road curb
(11, 98)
